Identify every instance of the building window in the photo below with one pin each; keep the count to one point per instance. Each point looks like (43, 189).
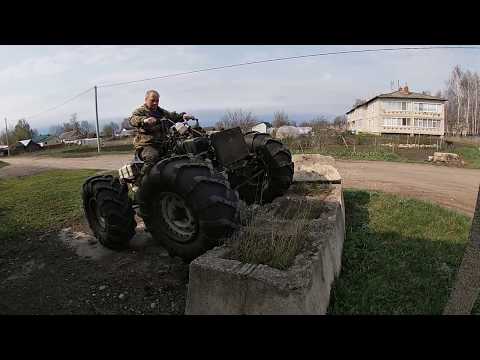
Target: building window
(397, 105)
(426, 107)
(427, 123)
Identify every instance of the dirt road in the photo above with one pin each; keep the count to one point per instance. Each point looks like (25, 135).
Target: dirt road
(451, 187)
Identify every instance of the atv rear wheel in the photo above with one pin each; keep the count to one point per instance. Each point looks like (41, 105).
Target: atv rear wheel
(187, 206)
(277, 165)
(109, 211)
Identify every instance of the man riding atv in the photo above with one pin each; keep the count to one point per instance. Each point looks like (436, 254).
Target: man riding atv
(185, 184)
(150, 141)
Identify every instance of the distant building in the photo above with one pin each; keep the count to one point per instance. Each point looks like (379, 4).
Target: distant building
(263, 127)
(399, 112)
(47, 141)
(3, 150)
(126, 133)
(27, 146)
(288, 131)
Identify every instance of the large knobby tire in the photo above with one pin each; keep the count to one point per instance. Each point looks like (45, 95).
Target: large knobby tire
(187, 206)
(278, 168)
(109, 211)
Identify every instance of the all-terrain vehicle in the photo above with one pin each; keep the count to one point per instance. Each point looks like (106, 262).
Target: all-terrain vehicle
(189, 199)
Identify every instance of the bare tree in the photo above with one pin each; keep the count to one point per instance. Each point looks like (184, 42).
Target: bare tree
(340, 122)
(86, 128)
(280, 118)
(237, 118)
(72, 124)
(462, 110)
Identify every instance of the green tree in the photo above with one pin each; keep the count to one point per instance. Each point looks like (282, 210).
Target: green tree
(23, 131)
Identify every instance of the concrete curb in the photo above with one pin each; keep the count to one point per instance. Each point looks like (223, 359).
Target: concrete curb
(218, 285)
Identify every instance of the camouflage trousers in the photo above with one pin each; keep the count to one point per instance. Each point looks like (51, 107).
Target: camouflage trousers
(150, 155)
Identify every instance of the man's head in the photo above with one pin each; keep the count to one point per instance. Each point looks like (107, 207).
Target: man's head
(151, 99)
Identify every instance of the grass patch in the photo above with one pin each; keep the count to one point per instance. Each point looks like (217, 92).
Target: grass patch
(2, 164)
(362, 152)
(41, 202)
(471, 156)
(400, 255)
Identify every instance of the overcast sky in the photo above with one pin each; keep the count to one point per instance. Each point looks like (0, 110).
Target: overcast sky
(35, 78)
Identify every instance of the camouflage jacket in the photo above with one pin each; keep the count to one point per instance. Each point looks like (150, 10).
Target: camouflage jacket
(148, 136)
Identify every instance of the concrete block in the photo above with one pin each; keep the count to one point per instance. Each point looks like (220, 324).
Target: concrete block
(219, 285)
(315, 168)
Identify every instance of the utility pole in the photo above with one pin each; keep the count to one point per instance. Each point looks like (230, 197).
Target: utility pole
(6, 135)
(96, 115)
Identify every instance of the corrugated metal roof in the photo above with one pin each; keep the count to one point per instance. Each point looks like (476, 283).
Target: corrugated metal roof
(399, 94)
(41, 138)
(25, 142)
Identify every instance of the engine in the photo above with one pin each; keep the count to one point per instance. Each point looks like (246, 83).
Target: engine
(193, 146)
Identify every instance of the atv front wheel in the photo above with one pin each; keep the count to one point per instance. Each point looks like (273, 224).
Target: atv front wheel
(109, 211)
(277, 165)
(187, 206)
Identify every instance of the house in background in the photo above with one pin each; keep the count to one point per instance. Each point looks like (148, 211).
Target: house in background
(3, 150)
(27, 146)
(399, 112)
(263, 127)
(48, 141)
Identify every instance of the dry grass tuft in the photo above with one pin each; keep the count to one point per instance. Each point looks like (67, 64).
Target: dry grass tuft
(272, 239)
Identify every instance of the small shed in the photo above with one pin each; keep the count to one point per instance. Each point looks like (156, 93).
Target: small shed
(27, 146)
(284, 132)
(263, 127)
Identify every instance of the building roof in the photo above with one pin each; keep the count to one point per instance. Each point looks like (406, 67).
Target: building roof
(42, 138)
(25, 142)
(402, 93)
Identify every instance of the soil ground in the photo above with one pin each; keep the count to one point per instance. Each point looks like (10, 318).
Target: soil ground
(70, 273)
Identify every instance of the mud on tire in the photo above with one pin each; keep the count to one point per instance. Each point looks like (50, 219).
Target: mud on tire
(278, 166)
(187, 206)
(108, 210)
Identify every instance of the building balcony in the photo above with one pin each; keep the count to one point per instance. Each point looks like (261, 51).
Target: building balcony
(412, 130)
(409, 113)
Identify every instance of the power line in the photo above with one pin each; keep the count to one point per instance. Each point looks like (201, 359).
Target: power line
(59, 105)
(286, 58)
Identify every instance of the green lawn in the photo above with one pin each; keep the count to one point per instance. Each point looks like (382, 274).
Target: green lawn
(42, 202)
(2, 164)
(360, 153)
(471, 156)
(400, 255)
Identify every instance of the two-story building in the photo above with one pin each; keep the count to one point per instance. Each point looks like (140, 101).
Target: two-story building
(399, 112)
